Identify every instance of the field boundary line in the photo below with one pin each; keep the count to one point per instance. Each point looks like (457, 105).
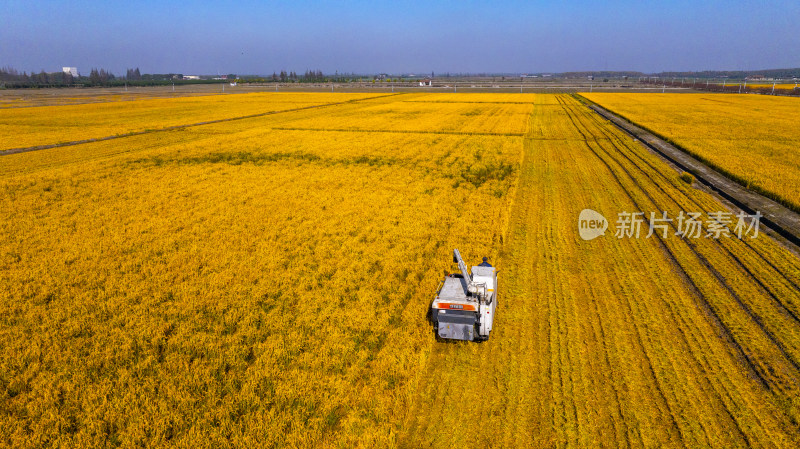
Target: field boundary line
(398, 131)
(184, 126)
(778, 217)
(469, 102)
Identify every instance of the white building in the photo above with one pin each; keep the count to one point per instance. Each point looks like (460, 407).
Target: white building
(426, 82)
(70, 70)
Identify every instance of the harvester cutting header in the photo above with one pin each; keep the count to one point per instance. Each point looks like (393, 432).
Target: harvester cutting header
(465, 303)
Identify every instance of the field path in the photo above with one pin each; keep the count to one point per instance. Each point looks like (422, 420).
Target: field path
(617, 342)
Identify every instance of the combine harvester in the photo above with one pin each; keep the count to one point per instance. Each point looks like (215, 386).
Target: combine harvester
(465, 304)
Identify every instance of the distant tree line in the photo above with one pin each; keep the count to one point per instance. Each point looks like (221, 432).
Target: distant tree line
(100, 77)
(10, 77)
(133, 74)
(310, 76)
(13, 79)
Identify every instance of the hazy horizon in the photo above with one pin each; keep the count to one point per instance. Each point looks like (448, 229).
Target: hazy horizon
(249, 37)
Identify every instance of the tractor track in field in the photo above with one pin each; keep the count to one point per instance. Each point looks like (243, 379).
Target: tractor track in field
(778, 217)
(11, 151)
(660, 389)
(745, 242)
(690, 244)
(417, 431)
(754, 368)
(677, 317)
(740, 354)
(739, 262)
(556, 352)
(727, 250)
(768, 292)
(399, 131)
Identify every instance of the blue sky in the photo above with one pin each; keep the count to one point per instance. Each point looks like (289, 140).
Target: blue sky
(253, 37)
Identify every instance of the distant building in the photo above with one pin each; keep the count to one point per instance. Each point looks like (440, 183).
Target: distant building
(70, 70)
(191, 77)
(426, 82)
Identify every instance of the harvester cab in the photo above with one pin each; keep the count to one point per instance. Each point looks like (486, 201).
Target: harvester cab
(465, 303)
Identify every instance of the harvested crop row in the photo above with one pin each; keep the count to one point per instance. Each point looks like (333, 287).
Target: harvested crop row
(619, 342)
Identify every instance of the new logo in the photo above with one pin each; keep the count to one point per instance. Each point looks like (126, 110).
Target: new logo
(591, 224)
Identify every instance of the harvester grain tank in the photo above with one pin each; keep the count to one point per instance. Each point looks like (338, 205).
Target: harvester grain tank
(465, 302)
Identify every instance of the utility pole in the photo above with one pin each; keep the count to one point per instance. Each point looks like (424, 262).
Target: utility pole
(773, 87)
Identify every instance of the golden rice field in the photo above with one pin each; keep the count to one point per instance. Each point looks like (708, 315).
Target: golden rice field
(264, 282)
(751, 138)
